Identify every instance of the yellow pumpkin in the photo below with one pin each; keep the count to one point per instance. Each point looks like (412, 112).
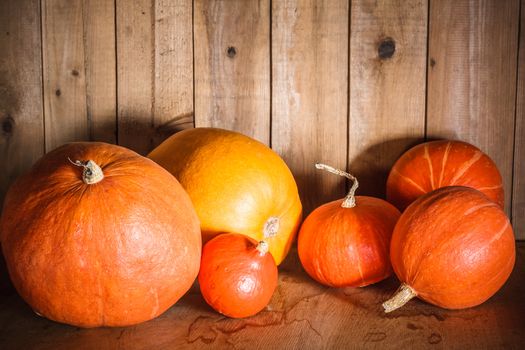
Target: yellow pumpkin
(236, 184)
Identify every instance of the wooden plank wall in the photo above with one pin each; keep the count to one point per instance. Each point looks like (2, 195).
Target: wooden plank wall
(350, 83)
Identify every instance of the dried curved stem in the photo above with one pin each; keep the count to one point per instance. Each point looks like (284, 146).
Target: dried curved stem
(349, 201)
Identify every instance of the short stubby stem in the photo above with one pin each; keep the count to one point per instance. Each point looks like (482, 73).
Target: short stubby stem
(271, 227)
(262, 247)
(92, 173)
(403, 294)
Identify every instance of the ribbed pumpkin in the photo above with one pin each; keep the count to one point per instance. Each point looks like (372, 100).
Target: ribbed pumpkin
(345, 243)
(236, 184)
(97, 235)
(453, 248)
(237, 276)
(437, 164)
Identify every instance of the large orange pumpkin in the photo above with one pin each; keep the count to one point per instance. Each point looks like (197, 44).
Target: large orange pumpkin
(345, 243)
(237, 276)
(453, 248)
(236, 184)
(437, 164)
(106, 239)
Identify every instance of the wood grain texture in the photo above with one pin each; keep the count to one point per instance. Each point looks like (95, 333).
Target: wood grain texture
(301, 315)
(310, 93)
(21, 110)
(518, 188)
(155, 71)
(173, 106)
(387, 86)
(100, 69)
(232, 60)
(472, 77)
(64, 72)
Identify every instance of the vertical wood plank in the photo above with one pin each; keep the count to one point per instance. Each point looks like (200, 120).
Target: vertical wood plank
(387, 86)
(232, 55)
(135, 73)
(173, 107)
(518, 196)
(100, 56)
(21, 110)
(155, 71)
(64, 72)
(310, 93)
(472, 77)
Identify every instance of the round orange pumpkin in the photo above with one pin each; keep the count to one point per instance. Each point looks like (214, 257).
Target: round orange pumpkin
(453, 248)
(106, 238)
(236, 184)
(237, 276)
(345, 243)
(437, 164)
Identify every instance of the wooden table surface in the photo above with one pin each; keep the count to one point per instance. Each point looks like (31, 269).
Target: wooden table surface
(301, 315)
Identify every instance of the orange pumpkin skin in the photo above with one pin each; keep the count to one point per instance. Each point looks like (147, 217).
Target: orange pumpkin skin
(348, 247)
(236, 184)
(437, 164)
(235, 278)
(114, 253)
(454, 247)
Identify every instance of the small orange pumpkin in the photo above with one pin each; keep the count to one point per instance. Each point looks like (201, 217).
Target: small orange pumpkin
(437, 164)
(453, 248)
(237, 276)
(345, 243)
(236, 184)
(114, 244)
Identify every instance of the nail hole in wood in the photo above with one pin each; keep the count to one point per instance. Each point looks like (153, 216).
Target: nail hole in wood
(74, 72)
(58, 92)
(231, 52)
(386, 49)
(432, 62)
(7, 125)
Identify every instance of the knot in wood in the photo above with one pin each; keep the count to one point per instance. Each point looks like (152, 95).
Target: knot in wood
(386, 48)
(231, 52)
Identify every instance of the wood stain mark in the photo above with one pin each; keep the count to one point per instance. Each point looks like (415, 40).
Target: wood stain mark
(374, 337)
(199, 330)
(434, 338)
(401, 314)
(413, 326)
(432, 62)
(58, 92)
(74, 73)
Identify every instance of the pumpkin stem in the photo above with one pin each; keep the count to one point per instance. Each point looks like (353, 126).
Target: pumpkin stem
(349, 201)
(403, 294)
(262, 247)
(92, 173)
(271, 227)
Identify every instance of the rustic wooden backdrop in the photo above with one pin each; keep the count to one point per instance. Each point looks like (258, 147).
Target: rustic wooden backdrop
(349, 83)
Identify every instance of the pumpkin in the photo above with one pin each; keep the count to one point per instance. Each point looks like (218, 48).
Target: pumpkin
(106, 238)
(237, 276)
(345, 243)
(437, 164)
(236, 184)
(453, 248)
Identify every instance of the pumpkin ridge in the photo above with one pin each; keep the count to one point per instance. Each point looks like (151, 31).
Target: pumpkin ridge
(430, 167)
(444, 162)
(409, 180)
(466, 166)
